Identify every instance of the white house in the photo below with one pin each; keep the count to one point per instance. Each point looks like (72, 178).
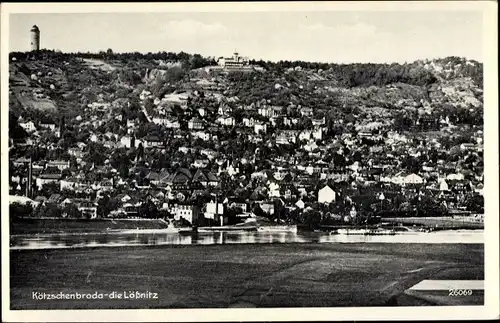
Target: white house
(413, 179)
(455, 177)
(274, 189)
(60, 164)
(28, 126)
(311, 146)
(260, 127)
(195, 123)
(226, 121)
(231, 170)
(159, 120)
(49, 125)
(188, 212)
(443, 186)
(173, 124)
(300, 204)
(213, 209)
(201, 135)
(326, 195)
(131, 123)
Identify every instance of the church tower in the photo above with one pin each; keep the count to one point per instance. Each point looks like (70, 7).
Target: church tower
(35, 38)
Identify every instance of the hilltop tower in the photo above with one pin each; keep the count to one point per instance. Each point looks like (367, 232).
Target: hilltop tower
(35, 38)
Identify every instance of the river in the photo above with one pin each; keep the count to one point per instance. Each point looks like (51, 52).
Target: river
(80, 240)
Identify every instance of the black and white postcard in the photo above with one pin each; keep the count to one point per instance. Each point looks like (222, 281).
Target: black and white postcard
(249, 161)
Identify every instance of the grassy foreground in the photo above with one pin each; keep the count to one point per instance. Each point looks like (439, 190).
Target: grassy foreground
(221, 276)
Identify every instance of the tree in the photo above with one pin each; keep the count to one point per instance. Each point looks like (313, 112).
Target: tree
(17, 210)
(50, 188)
(475, 203)
(311, 218)
(148, 210)
(71, 211)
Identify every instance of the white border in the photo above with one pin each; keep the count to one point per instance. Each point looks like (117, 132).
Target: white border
(489, 311)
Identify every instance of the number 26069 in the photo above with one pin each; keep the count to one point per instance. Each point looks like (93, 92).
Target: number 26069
(459, 292)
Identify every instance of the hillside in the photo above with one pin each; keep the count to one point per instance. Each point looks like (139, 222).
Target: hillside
(55, 83)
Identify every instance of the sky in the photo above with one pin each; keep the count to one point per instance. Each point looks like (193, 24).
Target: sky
(322, 36)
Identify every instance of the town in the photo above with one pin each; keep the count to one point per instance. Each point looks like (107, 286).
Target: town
(223, 140)
(242, 157)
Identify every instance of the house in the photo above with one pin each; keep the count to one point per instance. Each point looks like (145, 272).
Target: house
(233, 169)
(41, 199)
(413, 179)
(87, 208)
(60, 164)
(300, 204)
(213, 210)
(28, 126)
(211, 154)
(365, 134)
(70, 183)
(267, 207)
(206, 178)
(274, 189)
(239, 205)
(180, 180)
(159, 120)
(201, 163)
(49, 125)
(20, 161)
(201, 135)
(152, 142)
(311, 134)
(311, 146)
(153, 177)
(318, 122)
(306, 112)
(224, 110)
(326, 195)
(443, 186)
(188, 212)
(479, 189)
(50, 175)
(130, 141)
(282, 139)
(455, 177)
(270, 111)
(249, 122)
(131, 123)
(260, 127)
(195, 124)
(173, 124)
(55, 199)
(76, 152)
(131, 209)
(226, 121)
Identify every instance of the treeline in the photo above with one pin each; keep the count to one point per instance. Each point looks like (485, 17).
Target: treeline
(360, 74)
(191, 61)
(347, 75)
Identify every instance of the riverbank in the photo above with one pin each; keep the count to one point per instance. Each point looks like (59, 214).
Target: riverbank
(442, 223)
(221, 276)
(26, 226)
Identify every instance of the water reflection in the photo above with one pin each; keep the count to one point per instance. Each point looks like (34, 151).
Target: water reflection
(244, 237)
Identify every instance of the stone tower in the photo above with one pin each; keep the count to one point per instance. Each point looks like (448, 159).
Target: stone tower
(35, 38)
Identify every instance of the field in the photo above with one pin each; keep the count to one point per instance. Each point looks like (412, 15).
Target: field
(221, 276)
(47, 226)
